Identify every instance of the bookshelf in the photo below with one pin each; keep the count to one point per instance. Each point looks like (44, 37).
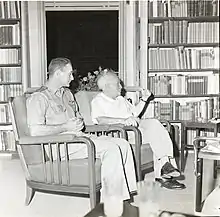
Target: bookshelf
(10, 69)
(183, 59)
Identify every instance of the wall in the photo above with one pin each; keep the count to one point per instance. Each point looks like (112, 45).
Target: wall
(37, 44)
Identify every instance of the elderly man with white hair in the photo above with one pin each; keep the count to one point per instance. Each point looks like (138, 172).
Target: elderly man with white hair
(109, 107)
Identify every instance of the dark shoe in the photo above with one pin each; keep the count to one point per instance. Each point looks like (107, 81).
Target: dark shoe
(170, 184)
(169, 171)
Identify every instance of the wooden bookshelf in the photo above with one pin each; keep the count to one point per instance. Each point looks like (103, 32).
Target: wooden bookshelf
(183, 59)
(10, 46)
(182, 70)
(10, 65)
(183, 45)
(10, 70)
(9, 21)
(187, 96)
(189, 19)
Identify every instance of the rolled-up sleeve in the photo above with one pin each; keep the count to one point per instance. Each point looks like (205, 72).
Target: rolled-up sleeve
(36, 111)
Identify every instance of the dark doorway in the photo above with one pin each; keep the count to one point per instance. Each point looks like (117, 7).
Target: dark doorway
(88, 38)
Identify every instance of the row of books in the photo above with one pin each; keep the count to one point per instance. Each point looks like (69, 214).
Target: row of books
(182, 85)
(207, 32)
(10, 56)
(10, 35)
(201, 111)
(4, 114)
(183, 8)
(183, 58)
(10, 75)
(191, 134)
(7, 141)
(173, 32)
(10, 90)
(10, 10)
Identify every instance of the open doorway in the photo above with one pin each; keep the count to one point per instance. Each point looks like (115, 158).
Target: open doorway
(88, 38)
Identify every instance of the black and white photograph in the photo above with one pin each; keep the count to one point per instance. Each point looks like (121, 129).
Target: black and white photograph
(109, 108)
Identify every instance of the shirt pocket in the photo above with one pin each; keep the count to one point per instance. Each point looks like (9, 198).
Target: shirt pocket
(57, 108)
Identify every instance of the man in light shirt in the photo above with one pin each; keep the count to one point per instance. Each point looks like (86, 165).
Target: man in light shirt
(53, 110)
(109, 107)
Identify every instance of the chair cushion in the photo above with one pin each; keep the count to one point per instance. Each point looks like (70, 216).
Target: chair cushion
(84, 99)
(32, 153)
(78, 170)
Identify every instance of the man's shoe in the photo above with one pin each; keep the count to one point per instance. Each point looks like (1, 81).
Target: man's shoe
(170, 184)
(169, 171)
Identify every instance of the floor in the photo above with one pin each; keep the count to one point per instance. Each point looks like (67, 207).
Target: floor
(12, 194)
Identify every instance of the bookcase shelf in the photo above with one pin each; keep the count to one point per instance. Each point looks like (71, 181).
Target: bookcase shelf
(187, 96)
(10, 69)
(10, 83)
(182, 70)
(11, 21)
(5, 124)
(183, 59)
(10, 65)
(10, 46)
(189, 19)
(183, 45)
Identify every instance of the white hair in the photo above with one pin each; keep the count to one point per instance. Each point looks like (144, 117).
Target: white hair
(105, 77)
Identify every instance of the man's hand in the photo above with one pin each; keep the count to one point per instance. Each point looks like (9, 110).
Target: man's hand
(74, 125)
(145, 94)
(131, 121)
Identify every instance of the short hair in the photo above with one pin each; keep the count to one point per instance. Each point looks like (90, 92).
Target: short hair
(58, 63)
(105, 77)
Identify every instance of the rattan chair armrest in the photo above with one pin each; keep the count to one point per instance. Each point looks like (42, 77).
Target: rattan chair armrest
(30, 140)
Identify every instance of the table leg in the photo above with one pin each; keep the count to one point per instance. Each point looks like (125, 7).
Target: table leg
(182, 147)
(215, 163)
(199, 174)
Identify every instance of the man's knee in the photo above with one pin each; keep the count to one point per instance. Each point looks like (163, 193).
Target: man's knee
(122, 143)
(151, 123)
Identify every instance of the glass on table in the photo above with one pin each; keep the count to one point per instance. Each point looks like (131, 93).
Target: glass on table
(148, 196)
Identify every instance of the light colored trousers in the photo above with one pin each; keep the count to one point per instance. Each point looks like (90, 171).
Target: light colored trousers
(154, 133)
(117, 169)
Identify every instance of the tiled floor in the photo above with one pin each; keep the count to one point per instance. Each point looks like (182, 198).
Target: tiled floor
(12, 193)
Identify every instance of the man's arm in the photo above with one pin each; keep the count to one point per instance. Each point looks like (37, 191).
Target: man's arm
(141, 107)
(109, 120)
(131, 121)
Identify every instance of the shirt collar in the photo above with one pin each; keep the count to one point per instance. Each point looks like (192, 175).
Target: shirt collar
(108, 98)
(58, 92)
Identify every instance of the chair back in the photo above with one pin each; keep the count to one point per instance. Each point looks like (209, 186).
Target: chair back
(84, 99)
(18, 111)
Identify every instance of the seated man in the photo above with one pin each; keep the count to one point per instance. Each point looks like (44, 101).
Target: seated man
(109, 107)
(52, 110)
